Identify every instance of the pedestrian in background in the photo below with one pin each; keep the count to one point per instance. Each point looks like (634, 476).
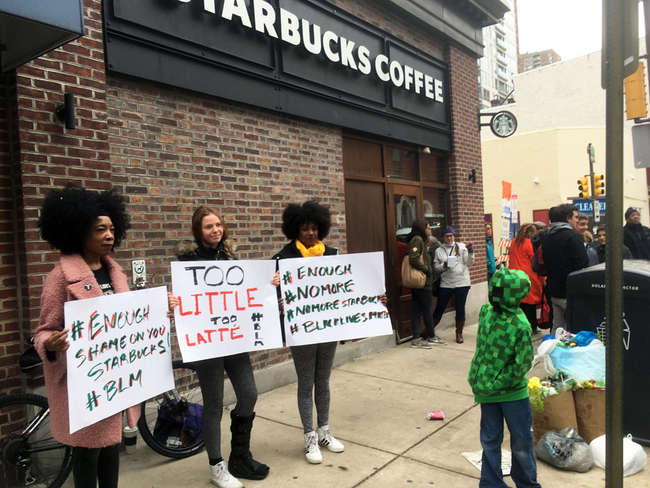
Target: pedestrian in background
(497, 375)
(601, 237)
(521, 255)
(489, 251)
(563, 251)
(452, 262)
(421, 298)
(582, 227)
(636, 236)
(211, 243)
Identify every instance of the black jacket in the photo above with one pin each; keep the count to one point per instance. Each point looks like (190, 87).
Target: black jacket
(564, 251)
(600, 249)
(637, 238)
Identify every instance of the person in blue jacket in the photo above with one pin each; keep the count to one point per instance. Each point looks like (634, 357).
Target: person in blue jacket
(489, 252)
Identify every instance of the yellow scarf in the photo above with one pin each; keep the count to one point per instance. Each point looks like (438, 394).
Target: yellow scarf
(317, 249)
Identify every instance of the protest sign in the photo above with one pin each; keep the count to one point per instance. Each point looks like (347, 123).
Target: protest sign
(119, 353)
(226, 307)
(333, 298)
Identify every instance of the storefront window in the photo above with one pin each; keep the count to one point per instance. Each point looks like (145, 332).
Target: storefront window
(435, 210)
(401, 163)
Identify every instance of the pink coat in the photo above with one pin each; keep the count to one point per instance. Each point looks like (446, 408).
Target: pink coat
(72, 279)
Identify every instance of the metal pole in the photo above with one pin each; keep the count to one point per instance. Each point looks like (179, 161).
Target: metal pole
(614, 25)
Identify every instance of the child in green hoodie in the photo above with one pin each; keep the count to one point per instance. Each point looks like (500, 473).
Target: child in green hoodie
(497, 375)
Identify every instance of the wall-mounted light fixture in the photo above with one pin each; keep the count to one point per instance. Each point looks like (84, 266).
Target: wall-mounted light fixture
(472, 176)
(65, 111)
(425, 150)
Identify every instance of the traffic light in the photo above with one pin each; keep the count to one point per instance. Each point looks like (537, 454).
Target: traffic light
(599, 185)
(583, 187)
(635, 94)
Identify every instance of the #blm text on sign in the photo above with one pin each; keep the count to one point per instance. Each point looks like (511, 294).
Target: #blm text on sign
(333, 298)
(225, 308)
(119, 354)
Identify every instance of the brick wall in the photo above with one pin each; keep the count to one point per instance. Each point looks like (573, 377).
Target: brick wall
(172, 151)
(466, 198)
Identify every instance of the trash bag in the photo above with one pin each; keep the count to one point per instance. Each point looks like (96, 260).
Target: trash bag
(565, 450)
(634, 457)
(582, 363)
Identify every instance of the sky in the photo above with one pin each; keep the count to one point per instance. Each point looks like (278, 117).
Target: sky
(571, 27)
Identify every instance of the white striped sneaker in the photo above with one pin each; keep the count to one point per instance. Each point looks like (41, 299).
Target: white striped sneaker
(326, 439)
(312, 451)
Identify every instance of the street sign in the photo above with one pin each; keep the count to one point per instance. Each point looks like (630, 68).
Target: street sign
(586, 207)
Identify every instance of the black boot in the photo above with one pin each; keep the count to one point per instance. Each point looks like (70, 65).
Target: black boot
(241, 463)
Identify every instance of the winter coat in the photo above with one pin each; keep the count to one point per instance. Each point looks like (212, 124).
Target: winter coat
(600, 249)
(520, 258)
(417, 249)
(192, 251)
(563, 250)
(592, 254)
(72, 279)
(458, 275)
(637, 238)
(504, 347)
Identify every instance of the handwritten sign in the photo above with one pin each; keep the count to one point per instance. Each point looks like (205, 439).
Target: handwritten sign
(226, 307)
(333, 298)
(119, 353)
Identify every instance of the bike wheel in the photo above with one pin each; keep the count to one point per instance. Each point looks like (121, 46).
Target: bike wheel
(29, 455)
(164, 423)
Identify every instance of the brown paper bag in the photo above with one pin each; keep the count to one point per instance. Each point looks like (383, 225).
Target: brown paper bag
(590, 412)
(559, 413)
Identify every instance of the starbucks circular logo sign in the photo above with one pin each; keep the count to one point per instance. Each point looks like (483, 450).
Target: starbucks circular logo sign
(503, 124)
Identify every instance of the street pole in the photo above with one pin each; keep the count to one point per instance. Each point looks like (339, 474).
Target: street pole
(615, 30)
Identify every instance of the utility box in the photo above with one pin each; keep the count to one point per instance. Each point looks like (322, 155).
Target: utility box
(586, 311)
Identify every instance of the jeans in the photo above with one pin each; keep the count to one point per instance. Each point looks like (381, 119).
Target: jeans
(444, 295)
(421, 306)
(519, 419)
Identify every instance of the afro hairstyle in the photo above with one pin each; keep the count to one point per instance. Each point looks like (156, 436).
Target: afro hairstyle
(295, 215)
(68, 215)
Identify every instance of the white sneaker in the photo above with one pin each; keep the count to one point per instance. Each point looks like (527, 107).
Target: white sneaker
(312, 451)
(220, 476)
(326, 439)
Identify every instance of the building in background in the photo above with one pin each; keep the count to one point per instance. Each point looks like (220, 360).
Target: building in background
(499, 63)
(528, 61)
(560, 109)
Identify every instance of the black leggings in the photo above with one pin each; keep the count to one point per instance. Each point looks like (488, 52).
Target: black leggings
(90, 465)
(210, 372)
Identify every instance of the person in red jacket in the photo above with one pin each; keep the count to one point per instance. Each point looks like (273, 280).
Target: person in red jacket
(521, 255)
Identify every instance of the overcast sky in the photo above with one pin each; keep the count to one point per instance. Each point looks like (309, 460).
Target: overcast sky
(571, 27)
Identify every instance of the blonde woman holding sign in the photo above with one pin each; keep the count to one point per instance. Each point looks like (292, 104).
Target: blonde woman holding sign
(211, 243)
(86, 227)
(306, 225)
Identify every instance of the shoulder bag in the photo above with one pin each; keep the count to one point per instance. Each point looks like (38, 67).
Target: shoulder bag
(411, 277)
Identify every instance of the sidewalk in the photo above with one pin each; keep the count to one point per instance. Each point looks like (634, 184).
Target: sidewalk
(378, 410)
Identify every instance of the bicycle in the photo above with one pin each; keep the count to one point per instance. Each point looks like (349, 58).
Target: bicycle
(30, 456)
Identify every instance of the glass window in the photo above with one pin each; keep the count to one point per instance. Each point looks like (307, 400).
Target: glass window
(401, 163)
(435, 210)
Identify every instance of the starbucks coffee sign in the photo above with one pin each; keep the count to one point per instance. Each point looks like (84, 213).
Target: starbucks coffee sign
(301, 57)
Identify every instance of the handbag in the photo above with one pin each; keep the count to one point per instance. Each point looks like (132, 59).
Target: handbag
(411, 277)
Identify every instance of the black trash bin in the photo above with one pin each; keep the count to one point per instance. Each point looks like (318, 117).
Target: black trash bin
(586, 311)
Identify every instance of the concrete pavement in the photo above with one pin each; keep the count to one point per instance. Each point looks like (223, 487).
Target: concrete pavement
(378, 410)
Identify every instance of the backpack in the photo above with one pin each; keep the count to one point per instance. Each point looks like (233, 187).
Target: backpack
(537, 263)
